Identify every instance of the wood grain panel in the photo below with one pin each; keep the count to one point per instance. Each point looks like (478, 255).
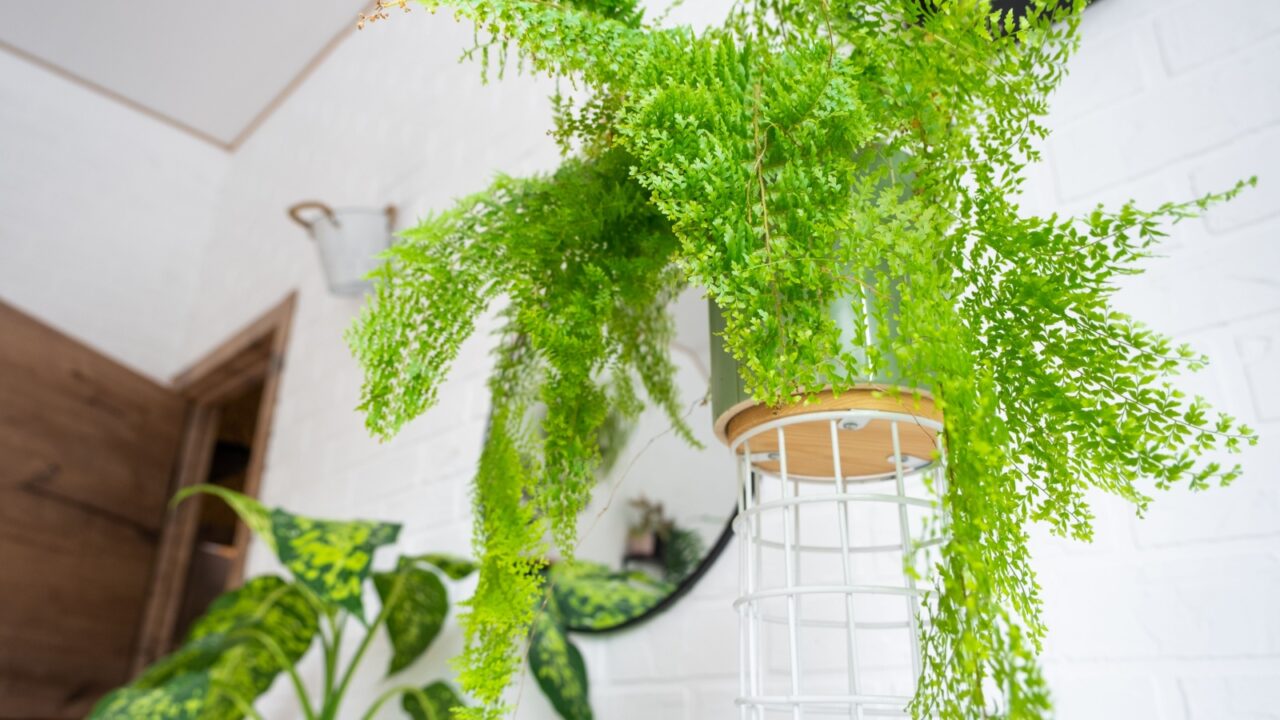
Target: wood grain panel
(87, 449)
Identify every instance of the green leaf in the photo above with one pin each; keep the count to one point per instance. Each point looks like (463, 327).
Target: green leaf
(267, 625)
(195, 656)
(595, 597)
(440, 698)
(454, 566)
(685, 551)
(558, 667)
(247, 637)
(181, 698)
(330, 557)
(416, 603)
(250, 511)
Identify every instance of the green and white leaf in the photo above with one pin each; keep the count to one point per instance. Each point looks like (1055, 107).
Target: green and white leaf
(595, 597)
(440, 698)
(558, 667)
(252, 512)
(454, 566)
(195, 656)
(684, 552)
(415, 602)
(181, 698)
(331, 558)
(237, 648)
(268, 625)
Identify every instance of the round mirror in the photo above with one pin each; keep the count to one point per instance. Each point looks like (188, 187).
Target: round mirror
(660, 515)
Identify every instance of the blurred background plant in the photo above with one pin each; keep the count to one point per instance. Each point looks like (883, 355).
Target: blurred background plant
(254, 633)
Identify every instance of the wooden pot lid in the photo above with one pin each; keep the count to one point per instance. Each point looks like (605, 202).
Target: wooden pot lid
(867, 451)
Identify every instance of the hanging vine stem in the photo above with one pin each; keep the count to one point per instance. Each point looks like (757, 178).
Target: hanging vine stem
(613, 490)
(761, 149)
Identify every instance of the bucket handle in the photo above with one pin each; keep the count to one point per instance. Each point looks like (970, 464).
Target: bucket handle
(325, 210)
(311, 205)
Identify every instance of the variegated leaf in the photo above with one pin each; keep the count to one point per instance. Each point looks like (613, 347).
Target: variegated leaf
(558, 667)
(416, 603)
(453, 566)
(228, 646)
(594, 597)
(440, 698)
(181, 698)
(270, 621)
(331, 558)
(250, 511)
(194, 656)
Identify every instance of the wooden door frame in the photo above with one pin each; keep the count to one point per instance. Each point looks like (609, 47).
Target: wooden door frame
(253, 355)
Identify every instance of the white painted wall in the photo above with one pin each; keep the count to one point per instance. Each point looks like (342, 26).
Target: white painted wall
(1173, 617)
(103, 214)
(389, 117)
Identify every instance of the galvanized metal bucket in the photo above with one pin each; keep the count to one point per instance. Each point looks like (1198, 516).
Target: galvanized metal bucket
(350, 241)
(729, 394)
(728, 390)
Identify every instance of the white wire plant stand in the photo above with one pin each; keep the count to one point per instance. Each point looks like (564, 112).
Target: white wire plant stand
(837, 520)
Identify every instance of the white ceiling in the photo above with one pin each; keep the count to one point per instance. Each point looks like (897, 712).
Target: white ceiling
(212, 67)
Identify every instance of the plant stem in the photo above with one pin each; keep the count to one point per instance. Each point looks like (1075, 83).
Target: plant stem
(329, 655)
(244, 707)
(332, 650)
(331, 703)
(301, 689)
(398, 690)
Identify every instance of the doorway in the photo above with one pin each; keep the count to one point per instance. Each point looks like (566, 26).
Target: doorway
(203, 544)
(216, 559)
(101, 576)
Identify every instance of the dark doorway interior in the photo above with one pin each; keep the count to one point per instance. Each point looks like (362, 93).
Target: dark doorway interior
(215, 555)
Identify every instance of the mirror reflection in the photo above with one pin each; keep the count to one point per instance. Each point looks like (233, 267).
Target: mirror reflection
(660, 513)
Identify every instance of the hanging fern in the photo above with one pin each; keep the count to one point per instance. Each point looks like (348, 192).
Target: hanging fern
(805, 154)
(586, 266)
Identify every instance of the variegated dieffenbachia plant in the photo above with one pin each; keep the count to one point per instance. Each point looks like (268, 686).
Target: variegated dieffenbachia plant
(586, 597)
(251, 635)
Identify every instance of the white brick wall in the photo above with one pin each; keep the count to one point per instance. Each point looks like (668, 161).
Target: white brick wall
(1173, 617)
(102, 211)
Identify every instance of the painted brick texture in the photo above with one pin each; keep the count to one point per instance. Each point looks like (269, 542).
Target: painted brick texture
(1168, 618)
(1173, 617)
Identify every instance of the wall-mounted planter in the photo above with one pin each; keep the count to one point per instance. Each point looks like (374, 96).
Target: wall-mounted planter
(350, 242)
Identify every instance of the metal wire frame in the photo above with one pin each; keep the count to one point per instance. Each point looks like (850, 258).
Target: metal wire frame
(754, 702)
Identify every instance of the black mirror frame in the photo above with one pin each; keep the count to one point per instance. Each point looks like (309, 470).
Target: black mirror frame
(674, 596)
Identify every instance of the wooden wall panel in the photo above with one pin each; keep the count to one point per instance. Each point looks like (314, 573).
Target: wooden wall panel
(87, 449)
